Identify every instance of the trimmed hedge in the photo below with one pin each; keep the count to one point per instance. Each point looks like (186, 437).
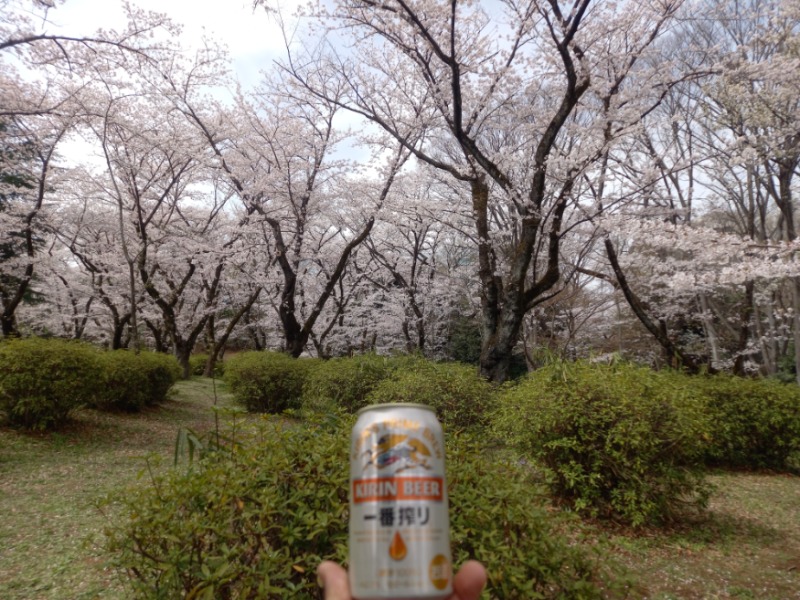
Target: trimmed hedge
(461, 398)
(345, 382)
(755, 422)
(133, 381)
(43, 380)
(163, 371)
(615, 440)
(255, 522)
(268, 382)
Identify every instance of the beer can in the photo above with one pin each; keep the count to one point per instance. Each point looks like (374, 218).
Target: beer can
(399, 524)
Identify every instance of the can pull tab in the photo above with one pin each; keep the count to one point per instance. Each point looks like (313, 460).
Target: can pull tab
(397, 549)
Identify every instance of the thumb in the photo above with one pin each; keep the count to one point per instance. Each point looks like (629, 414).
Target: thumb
(333, 580)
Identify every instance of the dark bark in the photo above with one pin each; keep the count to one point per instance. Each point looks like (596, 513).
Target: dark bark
(505, 303)
(744, 331)
(218, 345)
(118, 331)
(9, 324)
(159, 336)
(296, 336)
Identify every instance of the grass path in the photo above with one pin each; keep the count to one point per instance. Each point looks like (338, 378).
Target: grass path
(50, 484)
(51, 529)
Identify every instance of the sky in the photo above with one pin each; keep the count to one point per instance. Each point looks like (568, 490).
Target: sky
(253, 38)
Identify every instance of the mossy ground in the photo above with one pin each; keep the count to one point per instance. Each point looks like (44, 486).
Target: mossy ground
(51, 530)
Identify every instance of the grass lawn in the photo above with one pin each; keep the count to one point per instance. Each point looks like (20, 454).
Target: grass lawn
(50, 484)
(51, 530)
(747, 547)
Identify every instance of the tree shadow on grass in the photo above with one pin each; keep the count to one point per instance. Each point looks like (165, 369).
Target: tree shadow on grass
(90, 430)
(722, 528)
(713, 528)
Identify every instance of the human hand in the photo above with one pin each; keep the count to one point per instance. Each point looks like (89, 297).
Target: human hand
(467, 584)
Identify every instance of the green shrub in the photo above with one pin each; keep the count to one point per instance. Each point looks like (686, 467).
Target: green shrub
(461, 398)
(163, 371)
(43, 380)
(615, 440)
(497, 518)
(268, 382)
(755, 422)
(249, 523)
(408, 362)
(133, 381)
(345, 382)
(255, 522)
(197, 365)
(126, 385)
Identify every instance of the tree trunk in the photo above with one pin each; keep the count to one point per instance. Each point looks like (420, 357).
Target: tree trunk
(118, 331)
(676, 357)
(770, 343)
(158, 336)
(9, 324)
(504, 305)
(498, 350)
(217, 346)
(784, 201)
(796, 320)
(500, 328)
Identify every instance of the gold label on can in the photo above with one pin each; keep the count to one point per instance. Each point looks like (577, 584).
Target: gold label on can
(399, 527)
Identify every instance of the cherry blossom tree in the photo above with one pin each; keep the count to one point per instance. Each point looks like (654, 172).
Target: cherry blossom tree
(64, 299)
(26, 173)
(151, 180)
(727, 140)
(755, 101)
(42, 72)
(87, 225)
(516, 100)
(410, 247)
(43, 78)
(277, 151)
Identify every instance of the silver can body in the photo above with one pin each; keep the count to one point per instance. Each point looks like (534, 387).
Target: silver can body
(399, 523)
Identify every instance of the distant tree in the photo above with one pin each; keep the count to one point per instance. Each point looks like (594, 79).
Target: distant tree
(25, 177)
(302, 212)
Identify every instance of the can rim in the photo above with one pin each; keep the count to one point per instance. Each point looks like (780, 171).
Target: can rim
(395, 405)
